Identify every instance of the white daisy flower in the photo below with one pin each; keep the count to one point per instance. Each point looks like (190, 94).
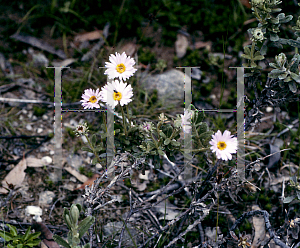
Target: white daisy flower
(186, 121)
(90, 99)
(119, 91)
(223, 145)
(121, 66)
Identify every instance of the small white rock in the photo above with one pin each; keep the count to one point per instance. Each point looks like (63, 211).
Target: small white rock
(269, 109)
(30, 114)
(34, 118)
(99, 166)
(73, 179)
(28, 127)
(39, 130)
(90, 154)
(21, 118)
(34, 210)
(24, 111)
(47, 160)
(45, 117)
(52, 152)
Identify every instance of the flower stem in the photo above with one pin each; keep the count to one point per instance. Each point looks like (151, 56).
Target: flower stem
(124, 123)
(93, 149)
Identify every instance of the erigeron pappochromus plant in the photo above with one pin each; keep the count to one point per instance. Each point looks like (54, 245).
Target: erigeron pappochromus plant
(16, 240)
(76, 230)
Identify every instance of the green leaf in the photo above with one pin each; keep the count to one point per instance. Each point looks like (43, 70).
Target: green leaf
(167, 141)
(160, 152)
(74, 213)
(87, 245)
(162, 134)
(7, 236)
(285, 19)
(274, 37)
(263, 49)
(298, 194)
(282, 76)
(78, 205)
(25, 236)
(253, 64)
(246, 56)
(33, 236)
(13, 230)
(292, 87)
(288, 199)
(94, 161)
(247, 50)
(175, 143)
(93, 140)
(68, 221)
(20, 246)
(294, 43)
(87, 149)
(99, 148)
(10, 246)
(274, 20)
(33, 243)
(202, 128)
(85, 225)
(60, 241)
(258, 57)
(295, 77)
(284, 41)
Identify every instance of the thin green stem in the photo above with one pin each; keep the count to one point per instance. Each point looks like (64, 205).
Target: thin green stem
(124, 122)
(93, 149)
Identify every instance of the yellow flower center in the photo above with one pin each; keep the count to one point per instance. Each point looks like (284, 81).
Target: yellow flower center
(221, 145)
(117, 96)
(93, 99)
(121, 68)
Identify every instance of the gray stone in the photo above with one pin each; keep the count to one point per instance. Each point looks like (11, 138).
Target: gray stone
(46, 198)
(170, 84)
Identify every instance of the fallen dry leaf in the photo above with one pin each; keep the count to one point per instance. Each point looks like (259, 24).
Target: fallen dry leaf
(46, 235)
(39, 44)
(75, 173)
(259, 227)
(129, 48)
(201, 44)
(94, 35)
(88, 182)
(15, 176)
(246, 3)
(34, 162)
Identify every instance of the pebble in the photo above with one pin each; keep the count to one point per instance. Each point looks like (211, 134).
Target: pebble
(47, 160)
(269, 109)
(28, 127)
(45, 117)
(39, 130)
(169, 85)
(46, 198)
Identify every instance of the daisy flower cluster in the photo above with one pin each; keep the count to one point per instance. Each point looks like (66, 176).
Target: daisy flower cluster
(121, 67)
